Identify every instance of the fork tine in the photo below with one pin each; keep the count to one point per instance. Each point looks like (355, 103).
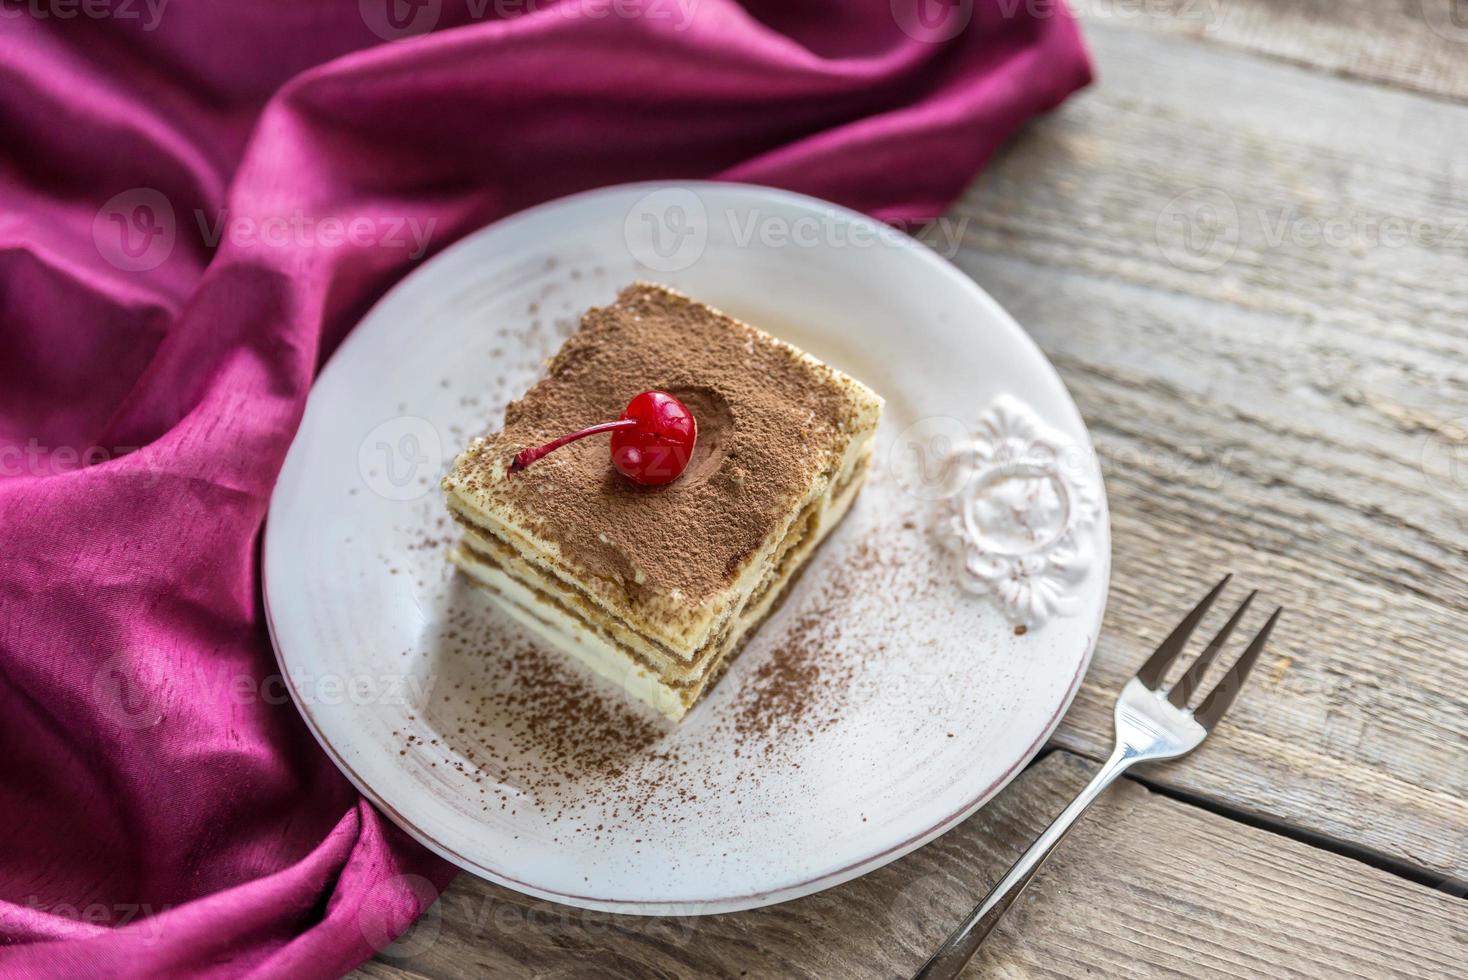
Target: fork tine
(1167, 651)
(1223, 694)
(1188, 683)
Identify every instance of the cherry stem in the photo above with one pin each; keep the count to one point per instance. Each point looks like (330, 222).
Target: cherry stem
(527, 456)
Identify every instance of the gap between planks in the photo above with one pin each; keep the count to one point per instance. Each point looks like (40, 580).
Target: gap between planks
(1272, 414)
(1144, 887)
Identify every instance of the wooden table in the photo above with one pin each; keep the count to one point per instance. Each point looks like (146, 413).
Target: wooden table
(1246, 250)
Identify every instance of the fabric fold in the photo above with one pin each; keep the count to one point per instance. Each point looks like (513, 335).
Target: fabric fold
(176, 265)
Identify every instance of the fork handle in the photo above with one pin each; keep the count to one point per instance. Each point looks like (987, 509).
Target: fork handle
(960, 947)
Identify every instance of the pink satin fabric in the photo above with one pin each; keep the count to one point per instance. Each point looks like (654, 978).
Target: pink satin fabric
(199, 200)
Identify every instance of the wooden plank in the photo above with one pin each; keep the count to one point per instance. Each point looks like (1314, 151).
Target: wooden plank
(1420, 45)
(1144, 887)
(1292, 412)
(1276, 401)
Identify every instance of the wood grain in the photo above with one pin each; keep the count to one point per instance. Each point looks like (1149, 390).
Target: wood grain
(1269, 400)
(1145, 886)
(1251, 268)
(1413, 44)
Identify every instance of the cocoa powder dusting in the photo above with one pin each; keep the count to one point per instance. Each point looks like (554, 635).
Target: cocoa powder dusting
(513, 725)
(801, 689)
(769, 421)
(526, 727)
(784, 689)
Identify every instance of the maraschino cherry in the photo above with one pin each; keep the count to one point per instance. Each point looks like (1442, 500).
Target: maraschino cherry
(652, 441)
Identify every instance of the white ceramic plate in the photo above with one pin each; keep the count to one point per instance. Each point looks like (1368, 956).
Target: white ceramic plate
(881, 705)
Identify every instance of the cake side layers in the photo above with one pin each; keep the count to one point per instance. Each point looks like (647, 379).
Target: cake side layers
(521, 570)
(702, 627)
(669, 694)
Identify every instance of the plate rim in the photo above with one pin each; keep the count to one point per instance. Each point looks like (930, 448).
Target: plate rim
(810, 885)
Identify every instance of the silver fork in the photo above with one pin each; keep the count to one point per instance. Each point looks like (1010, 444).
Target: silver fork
(1150, 725)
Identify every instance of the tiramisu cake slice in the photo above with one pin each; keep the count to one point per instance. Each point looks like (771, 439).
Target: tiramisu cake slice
(652, 563)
